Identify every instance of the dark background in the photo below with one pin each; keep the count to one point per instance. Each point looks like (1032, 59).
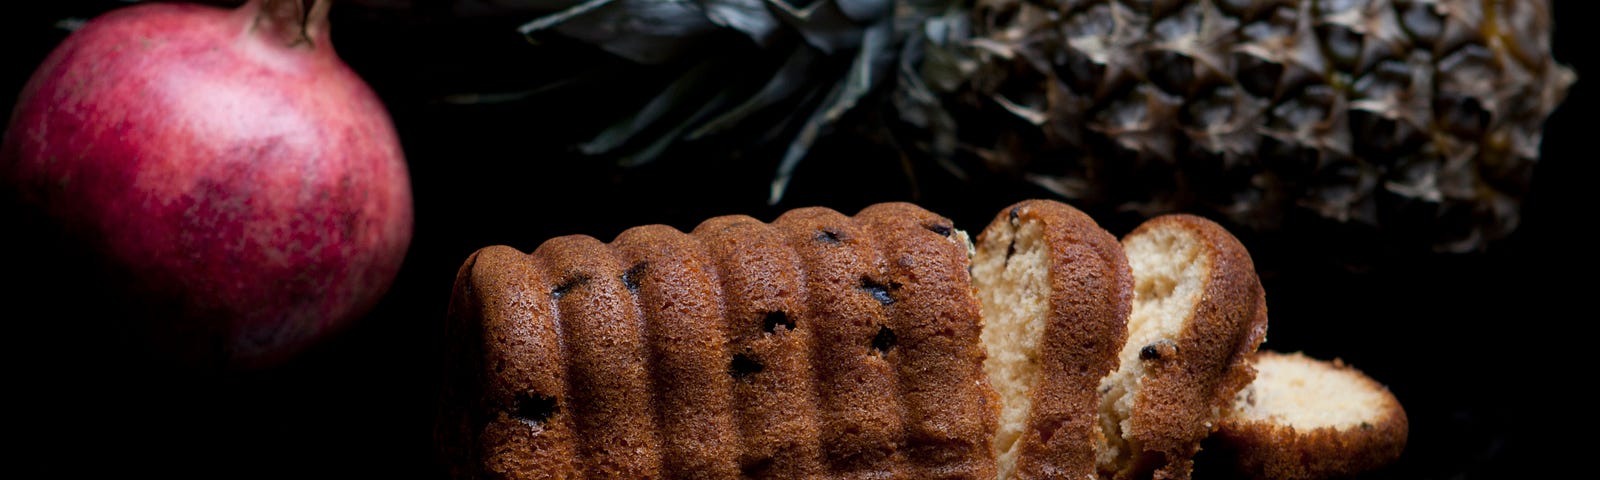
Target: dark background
(1486, 351)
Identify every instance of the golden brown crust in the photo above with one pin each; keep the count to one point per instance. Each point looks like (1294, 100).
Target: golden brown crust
(678, 293)
(859, 412)
(1185, 392)
(936, 349)
(610, 389)
(1266, 449)
(764, 297)
(511, 428)
(1091, 296)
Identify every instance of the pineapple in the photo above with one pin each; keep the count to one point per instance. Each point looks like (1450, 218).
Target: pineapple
(1417, 118)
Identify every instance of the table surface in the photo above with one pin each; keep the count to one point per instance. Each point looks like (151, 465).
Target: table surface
(1481, 349)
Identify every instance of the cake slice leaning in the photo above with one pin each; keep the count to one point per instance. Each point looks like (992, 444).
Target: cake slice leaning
(1199, 314)
(1056, 292)
(1309, 419)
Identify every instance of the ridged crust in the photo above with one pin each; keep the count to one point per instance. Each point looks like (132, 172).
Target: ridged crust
(1184, 393)
(1264, 449)
(678, 294)
(609, 392)
(949, 409)
(859, 412)
(764, 301)
(1090, 297)
(494, 318)
(816, 346)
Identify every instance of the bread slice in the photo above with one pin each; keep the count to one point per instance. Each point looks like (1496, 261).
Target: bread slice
(1199, 313)
(1056, 291)
(1309, 419)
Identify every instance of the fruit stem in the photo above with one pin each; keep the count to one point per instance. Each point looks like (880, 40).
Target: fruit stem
(291, 22)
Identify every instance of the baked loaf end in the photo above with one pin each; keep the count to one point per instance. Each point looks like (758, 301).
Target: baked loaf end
(1309, 419)
(1056, 292)
(816, 346)
(1199, 313)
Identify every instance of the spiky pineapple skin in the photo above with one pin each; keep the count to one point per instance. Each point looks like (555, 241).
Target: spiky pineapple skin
(1418, 118)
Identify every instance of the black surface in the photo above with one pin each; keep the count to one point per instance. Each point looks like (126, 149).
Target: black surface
(1486, 351)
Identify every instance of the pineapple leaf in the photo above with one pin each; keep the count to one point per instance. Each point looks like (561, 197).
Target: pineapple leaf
(823, 24)
(867, 68)
(865, 11)
(749, 17)
(789, 78)
(659, 145)
(649, 32)
(551, 20)
(671, 99)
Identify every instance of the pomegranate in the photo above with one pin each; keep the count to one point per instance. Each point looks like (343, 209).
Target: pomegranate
(239, 187)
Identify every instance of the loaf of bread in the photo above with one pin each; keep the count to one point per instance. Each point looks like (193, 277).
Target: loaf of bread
(881, 345)
(1309, 419)
(817, 346)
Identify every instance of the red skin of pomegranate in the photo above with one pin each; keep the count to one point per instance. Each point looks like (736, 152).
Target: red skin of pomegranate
(229, 163)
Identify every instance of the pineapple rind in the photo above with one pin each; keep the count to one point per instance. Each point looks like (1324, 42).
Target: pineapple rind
(1419, 116)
